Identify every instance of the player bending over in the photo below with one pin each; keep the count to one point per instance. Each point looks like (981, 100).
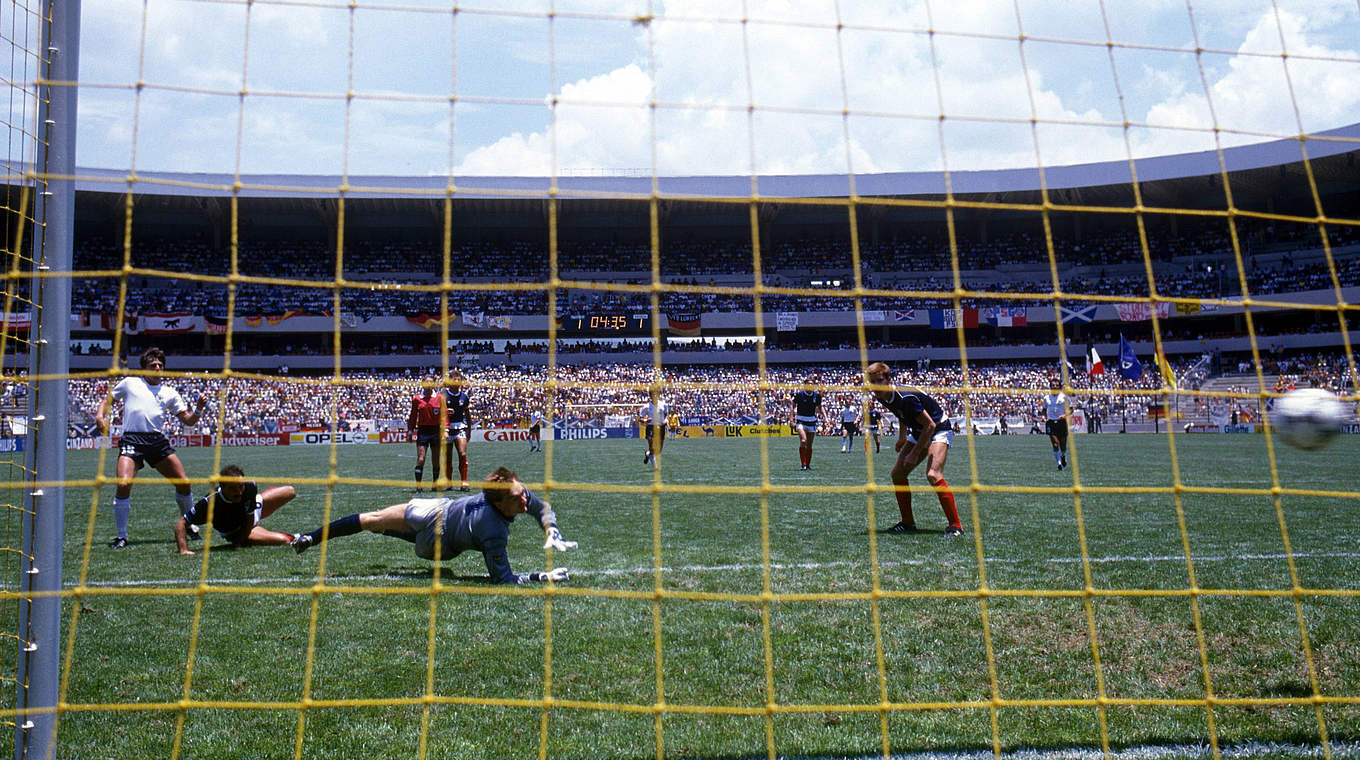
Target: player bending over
(652, 417)
(444, 528)
(924, 433)
(423, 420)
(238, 507)
(458, 406)
(145, 401)
(804, 415)
(1055, 421)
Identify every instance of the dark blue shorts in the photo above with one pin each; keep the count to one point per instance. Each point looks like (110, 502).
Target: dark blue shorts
(427, 436)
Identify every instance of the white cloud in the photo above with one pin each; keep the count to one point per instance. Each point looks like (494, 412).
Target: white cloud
(1255, 96)
(707, 69)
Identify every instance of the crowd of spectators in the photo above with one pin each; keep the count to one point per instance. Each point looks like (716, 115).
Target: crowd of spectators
(407, 278)
(508, 395)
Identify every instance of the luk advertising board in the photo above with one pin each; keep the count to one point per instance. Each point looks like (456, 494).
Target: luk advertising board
(733, 431)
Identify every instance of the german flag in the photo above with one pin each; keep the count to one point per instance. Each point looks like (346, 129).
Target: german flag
(430, 320)
(687, 324)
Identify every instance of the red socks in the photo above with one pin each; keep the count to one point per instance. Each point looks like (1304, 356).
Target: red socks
(946, 496)
(805, 456)
(904, 506)
(462, 469)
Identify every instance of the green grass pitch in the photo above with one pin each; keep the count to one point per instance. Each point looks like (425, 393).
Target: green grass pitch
(240, 642)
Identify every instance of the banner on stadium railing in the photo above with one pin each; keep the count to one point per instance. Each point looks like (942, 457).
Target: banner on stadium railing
(786, 321)
(16, 321)
(261, 320)
(948, 319)
(1141, 312)
(164, 324)
(686, 324)
(1082, 315)
(429, 320)
(11, 445)
(1006, 316)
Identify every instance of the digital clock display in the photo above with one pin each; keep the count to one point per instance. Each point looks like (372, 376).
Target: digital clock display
(606, 323)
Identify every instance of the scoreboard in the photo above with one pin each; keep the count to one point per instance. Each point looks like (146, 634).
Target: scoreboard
(603, 323)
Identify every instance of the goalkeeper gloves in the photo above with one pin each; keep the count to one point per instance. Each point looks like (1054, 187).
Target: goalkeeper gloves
(555, 540)
(556, 575)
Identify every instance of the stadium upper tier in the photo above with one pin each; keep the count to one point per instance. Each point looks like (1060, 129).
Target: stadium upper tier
(381, 277)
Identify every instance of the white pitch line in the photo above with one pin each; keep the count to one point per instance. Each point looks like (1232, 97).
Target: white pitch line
(728, 568)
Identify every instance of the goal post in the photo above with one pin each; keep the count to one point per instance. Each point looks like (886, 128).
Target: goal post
(38, 665)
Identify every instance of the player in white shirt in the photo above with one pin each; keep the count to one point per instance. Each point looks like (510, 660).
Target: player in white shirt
(536, 422)
(849, 426)
(1055, 421)
(652, 417)
(145, 403)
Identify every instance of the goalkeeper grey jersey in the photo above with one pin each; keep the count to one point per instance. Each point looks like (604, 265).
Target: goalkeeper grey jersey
(470, 522)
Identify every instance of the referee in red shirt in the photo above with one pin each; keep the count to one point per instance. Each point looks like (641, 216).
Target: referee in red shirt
(426, 409)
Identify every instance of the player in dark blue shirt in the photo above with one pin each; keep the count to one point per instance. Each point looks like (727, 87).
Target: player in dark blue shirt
(924, 434)
(458, 407)
(875, 418)
(237, 506)
(442, 529)
(805, 415)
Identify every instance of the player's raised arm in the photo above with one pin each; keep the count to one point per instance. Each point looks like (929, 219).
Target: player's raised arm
(190, 418)
(101, 413)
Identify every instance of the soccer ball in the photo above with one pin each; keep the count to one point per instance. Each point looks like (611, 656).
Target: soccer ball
(1308, 418)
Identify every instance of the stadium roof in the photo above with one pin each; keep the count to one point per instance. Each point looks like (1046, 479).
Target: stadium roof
(1115, 175)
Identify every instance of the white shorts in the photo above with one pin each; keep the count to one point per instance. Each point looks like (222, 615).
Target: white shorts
(810, 427)
(425, 518)
(944, 436)
(458, 432)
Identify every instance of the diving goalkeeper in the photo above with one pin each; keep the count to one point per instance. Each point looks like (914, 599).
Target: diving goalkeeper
(444, 528)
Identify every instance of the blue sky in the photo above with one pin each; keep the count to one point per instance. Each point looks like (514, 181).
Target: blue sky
(682, 88)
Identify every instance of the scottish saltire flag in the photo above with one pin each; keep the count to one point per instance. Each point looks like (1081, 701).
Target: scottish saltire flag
(905, 315)
(1129, 366)
(1078, 314)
